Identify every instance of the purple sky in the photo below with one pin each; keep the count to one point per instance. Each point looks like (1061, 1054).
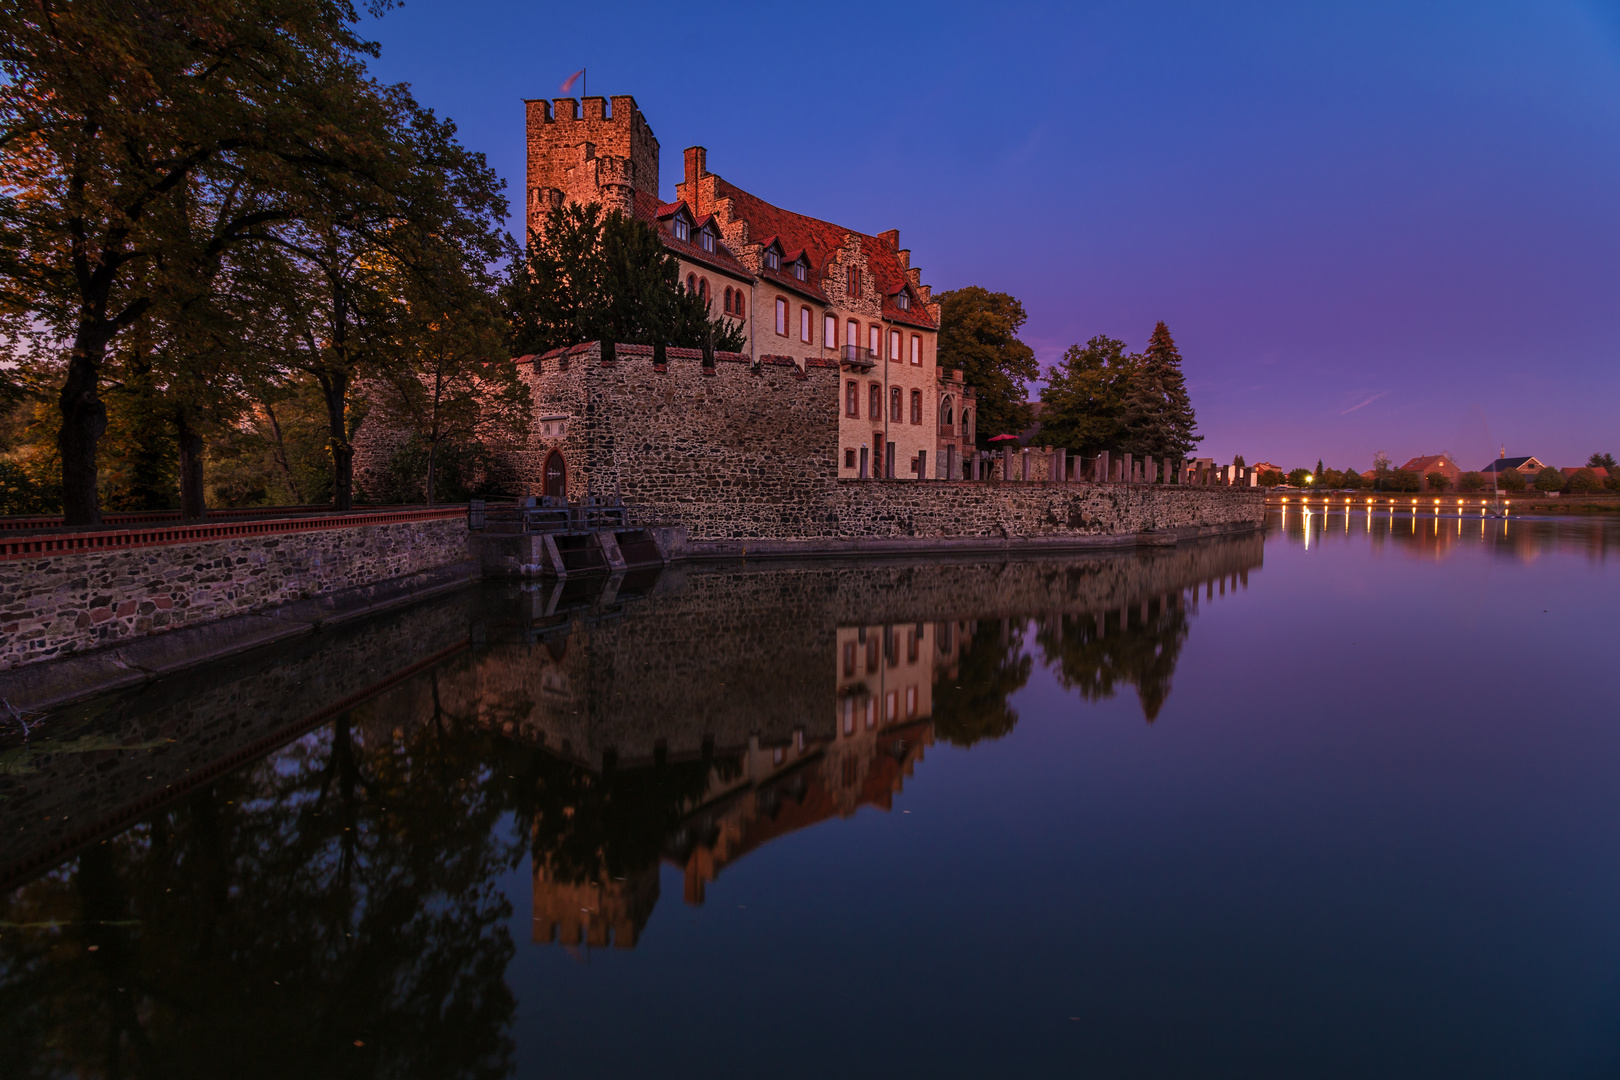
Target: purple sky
(1370, 226)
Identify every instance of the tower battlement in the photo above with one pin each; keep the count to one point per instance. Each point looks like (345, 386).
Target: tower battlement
(604, 152)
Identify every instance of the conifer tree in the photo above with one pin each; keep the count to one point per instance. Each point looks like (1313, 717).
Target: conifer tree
(1158, 415)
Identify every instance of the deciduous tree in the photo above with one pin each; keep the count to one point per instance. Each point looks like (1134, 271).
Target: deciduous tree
(1082, 403)
(978, 336)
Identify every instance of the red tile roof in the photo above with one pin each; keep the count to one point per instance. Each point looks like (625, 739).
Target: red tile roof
(821, 240)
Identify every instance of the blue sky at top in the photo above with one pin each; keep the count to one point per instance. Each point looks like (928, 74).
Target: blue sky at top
(1369, 226)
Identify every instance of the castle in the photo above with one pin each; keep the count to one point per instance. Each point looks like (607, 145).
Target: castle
(804, 292)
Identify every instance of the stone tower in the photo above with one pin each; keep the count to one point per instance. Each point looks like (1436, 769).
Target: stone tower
(600, 156)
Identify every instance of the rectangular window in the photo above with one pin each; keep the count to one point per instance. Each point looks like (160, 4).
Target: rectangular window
(804, 325)
(781, 316)
(894, 345)
(854, 283)
(892, 700)
(854, 339)
(849, 659)
(852, 399)
(874, 341)
(911, 701)
(916, 348)
(896, 405)
(829, 332)
(916, 406)
(875, 405)
(849, 459)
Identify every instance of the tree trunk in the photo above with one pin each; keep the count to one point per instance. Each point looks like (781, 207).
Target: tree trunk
(281, 455)
(193, 506)
(84, 420)
(433, 460)
(335, 389)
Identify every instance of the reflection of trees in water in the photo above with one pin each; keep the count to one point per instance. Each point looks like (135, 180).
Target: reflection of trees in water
(341, 890)
(1095, 654)
(592, 827)
(990, 667)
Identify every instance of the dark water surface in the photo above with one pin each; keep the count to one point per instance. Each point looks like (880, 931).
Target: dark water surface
(1341, 800)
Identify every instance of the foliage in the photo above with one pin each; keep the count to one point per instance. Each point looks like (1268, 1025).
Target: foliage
(1602, 461)
(1583, 482)
(1549, 479)
(1472, 481)
(1437, 481)
(1238, 462)
(978, 336)
(1329, 479)
(1271, 478)
(1402, 480)
(1381, 462)
(1352, 480)
(22, 493)
(1084, 397)
(1296, 477)
(591, 276)
(1158, 415)
(1510, 480)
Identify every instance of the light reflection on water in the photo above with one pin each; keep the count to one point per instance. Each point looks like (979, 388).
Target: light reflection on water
(1224, 808)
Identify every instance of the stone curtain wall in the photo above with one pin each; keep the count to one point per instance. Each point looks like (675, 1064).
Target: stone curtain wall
(745, 452)
(892, 509)
(60, 604)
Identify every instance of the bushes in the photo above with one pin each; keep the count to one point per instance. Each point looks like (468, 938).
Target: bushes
(1472, 481)
(1437, 481)
(1511, 480)
(1583, 482)
(21, 493)
(1402, 480)
(1550, 480)
(1352, 480)
(1271, 478)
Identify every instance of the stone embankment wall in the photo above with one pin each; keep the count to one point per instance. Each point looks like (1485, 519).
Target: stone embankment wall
(64, 603)
(744, 452)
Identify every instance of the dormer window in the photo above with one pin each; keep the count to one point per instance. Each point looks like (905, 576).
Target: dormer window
(799, 270)
(773, 261)
(904, 301)
(706, 240)
(683, 229)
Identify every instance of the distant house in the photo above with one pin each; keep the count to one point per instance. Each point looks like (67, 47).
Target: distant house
(1266, 466)
(1436, 463)
(1598, 471)
(1529, 467)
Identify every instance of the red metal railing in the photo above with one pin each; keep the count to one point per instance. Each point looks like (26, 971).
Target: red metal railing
(68, 542)
(143, 517)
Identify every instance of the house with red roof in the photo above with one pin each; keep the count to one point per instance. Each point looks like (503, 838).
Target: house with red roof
(1424, 464)
(798, 287)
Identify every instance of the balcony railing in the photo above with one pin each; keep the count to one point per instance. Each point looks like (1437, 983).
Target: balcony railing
(854, 354)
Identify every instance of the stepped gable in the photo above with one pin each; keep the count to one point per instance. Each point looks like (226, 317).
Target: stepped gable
(822, 240)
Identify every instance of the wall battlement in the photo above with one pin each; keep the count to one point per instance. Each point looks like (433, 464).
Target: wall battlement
(604, 154)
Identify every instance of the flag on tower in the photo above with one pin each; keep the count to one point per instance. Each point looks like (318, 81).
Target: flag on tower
(568, 84)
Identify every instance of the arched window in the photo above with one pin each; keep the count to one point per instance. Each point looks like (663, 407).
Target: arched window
(967, 423)
(852, 399)
(829, 331)
(703, 291)
(728, 301)
(897, 406)
(853, 340)
(916, 406)
(916, 348)
(737, 303)
(874, 409)
(691, 283)
(804, 326)
(947, 415)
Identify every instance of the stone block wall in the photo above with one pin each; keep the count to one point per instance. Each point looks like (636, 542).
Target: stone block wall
(59, 604)
(739, 451)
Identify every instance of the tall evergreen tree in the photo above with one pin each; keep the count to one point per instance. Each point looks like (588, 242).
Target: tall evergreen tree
(1158, 414)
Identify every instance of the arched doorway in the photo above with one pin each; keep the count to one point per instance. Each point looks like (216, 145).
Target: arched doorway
(555, 472)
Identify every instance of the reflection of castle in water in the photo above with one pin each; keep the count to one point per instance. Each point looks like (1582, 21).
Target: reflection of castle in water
(689, 718)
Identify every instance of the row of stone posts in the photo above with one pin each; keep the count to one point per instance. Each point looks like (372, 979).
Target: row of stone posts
(1107, 467)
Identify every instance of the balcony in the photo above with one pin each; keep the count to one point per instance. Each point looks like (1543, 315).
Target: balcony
(856, 357)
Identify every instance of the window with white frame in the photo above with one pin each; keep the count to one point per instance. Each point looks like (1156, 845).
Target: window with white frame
(781, 316)
(829, 331)
(804, 325)
(683, 231)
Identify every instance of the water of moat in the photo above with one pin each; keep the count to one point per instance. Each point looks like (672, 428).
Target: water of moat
(1335, 801)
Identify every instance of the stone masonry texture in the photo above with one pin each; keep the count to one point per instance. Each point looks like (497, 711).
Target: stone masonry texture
(739, 451)
(60, 604)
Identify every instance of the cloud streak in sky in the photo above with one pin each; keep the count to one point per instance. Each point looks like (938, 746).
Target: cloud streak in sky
(1364, 404)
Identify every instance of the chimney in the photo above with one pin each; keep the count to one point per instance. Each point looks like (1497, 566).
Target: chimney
(890, 237)
(696, 166)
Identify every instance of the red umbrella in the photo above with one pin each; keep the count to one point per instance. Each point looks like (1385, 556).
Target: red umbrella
(999, 438)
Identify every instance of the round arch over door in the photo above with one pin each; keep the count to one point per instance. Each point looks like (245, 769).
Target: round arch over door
(555, 474)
